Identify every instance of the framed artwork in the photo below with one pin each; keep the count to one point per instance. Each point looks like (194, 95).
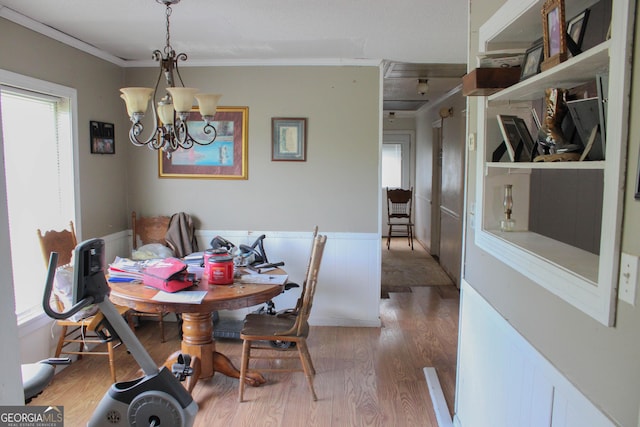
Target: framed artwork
(224, 158)
(512, 138)
(102, 138)
(554, 34)
(532, 60)
(289, 139)
(576, 28)
(526, 151)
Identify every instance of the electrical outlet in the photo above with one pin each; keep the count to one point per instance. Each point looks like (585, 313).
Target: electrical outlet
(628, 278)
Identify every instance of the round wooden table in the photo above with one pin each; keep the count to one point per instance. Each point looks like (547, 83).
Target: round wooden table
(197, 326)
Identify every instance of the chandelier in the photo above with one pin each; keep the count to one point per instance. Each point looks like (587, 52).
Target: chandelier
(172, 114)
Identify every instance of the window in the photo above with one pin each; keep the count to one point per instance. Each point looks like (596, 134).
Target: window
(391, 165)
(37, 142)
(396, 156)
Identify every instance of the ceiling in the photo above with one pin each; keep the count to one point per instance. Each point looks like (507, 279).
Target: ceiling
(411, 38)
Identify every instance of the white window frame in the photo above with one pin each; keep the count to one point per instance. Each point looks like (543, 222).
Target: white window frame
(36, 318)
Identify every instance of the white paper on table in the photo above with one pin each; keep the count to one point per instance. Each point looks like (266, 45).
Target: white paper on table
(184, 297)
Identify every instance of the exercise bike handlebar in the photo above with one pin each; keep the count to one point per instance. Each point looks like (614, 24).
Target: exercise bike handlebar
(48, 289)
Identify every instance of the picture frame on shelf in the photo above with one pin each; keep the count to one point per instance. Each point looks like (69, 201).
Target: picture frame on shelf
(554, 34)
(576, 28)
(528, 149)
(509, 130)
(102, 138)
(225, 158)
(532, 60)
(289, 139)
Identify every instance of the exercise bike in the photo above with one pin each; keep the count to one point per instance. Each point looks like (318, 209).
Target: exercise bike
(157, 398)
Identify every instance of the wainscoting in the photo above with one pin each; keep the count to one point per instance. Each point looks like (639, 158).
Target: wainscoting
(503, 381)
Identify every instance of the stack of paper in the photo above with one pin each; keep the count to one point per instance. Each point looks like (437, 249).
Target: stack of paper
(125, 270)
(195, 258)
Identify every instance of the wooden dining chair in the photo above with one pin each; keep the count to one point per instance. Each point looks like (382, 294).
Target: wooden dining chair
(291, 327)
(399, 202)
(80, 333)
(147, 230)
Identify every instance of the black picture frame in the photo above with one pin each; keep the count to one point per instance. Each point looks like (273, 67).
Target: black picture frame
(532, 60)
(102, 138)
(509, 130)
(576, 28)
(527, 152)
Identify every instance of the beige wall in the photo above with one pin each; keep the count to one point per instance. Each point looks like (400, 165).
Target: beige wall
(102, 178)
(336, 188)
(601, 361)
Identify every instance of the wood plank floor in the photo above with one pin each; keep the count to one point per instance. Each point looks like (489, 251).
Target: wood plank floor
(365, 376)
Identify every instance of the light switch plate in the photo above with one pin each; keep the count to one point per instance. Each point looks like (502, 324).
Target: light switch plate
(628, 278)
(472, 142)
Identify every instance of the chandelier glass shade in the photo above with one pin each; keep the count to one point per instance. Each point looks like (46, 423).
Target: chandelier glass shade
(173, 110)
(423, 86)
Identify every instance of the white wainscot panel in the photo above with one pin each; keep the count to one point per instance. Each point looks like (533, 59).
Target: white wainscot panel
(503, 381)
(348, 291)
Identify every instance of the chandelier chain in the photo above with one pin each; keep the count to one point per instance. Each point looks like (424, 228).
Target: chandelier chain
(168, 48)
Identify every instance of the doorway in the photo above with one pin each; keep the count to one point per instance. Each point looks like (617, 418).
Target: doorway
(396, 167)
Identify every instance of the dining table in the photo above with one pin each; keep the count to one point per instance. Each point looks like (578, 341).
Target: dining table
(197, 317)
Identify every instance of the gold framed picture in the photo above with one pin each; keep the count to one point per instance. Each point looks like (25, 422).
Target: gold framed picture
(554, 34)
(225, 158)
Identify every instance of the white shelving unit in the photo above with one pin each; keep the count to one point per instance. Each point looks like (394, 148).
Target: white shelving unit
(583, 279)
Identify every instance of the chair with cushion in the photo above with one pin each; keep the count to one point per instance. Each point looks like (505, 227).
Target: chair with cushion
(291, 327)
(76, 331)
(148, 230)
(399, 202)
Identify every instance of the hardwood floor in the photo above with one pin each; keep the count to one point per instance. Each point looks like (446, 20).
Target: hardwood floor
(365, 376)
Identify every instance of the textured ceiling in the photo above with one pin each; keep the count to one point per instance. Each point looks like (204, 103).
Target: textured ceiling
(404, 35)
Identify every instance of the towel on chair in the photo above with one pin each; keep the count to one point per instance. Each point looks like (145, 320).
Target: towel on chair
(181, 236)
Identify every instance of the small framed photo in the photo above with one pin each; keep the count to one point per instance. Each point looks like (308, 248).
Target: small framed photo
(512, 139)
(554, 34)
(289, 139)
(532, 60)
(576, 28)
(102, 138)
(526, 152)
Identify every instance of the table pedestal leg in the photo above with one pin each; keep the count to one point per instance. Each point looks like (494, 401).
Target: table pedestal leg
(197, 341)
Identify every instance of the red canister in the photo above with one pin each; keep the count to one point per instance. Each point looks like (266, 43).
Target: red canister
(208, 254)
(220, 270)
